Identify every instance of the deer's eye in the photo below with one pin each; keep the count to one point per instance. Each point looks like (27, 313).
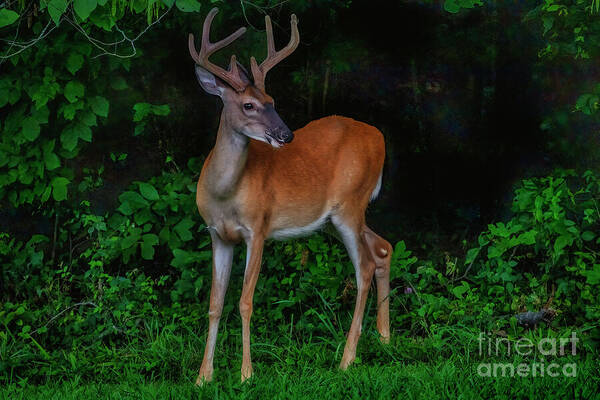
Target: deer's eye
(248, 106)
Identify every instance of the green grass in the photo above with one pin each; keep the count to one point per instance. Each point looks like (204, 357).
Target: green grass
(442, 366)
(450, 379)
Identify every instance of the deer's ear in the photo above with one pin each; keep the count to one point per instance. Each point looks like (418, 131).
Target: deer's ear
(210, 83)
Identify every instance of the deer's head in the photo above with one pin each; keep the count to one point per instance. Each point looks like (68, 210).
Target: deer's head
(248, 109)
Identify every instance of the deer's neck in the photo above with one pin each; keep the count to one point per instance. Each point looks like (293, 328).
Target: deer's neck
(227, 161)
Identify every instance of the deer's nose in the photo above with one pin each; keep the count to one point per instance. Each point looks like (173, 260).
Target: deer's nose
(283, 134)
(287, 136)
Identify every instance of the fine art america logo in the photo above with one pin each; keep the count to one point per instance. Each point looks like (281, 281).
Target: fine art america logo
(524, 347)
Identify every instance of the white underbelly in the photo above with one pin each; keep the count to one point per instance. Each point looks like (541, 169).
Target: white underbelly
(299, 231)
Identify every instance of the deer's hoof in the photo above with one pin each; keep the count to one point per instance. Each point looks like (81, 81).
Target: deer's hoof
(247, 373)
(204, 377)
(346, 362)
(384, 339)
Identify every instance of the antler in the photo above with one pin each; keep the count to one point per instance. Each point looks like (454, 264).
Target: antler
(273, 57)
(232, 76)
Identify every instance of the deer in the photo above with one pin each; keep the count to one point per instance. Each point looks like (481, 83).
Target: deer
(262, 181)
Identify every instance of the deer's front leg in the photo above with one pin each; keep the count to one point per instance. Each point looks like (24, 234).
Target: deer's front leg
(253, 261)
(222, 258)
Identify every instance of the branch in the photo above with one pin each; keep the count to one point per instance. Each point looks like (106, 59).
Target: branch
(261, 9)
(463, 276)
(85, 303)
(102, 46)
(25, 45)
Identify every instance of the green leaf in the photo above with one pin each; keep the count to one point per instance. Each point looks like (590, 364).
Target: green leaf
(130, 202)
(84, 8)
(103, 19)
(561, 242)
(69, 138)
(494, 252)
(7, 17)
(88, 118)
(587, 103)
(72, 133)
(133, 197)
(593, 276)
(70, 109)
(57, 8)
(458, 291)
(59, 188)
(118, 83)
(41, 114)
(48, 146)
(132, 239)
(31, 128)
(548, 22)
(148, 191)
(181, 258)
(74, 62)
(125, 208)
(168, 3)
(188, 5)
(143, 215)
(138, 5)
(84, 132)
(52, 161)
(162, 110)
(164, 234)
(147, 251)
(588, 235)
(99, 106)
(148, 243)
(183, 229)
(454, 6)
(528, 238)
(74, 90)
(46, 195)
(451, 6)
(471, 254)
(139, 129)
(141, 110)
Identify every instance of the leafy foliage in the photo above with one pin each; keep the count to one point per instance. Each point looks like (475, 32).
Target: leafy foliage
(549, 248)
(78, 273)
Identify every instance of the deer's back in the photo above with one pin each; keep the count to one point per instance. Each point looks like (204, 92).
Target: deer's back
(329, 161)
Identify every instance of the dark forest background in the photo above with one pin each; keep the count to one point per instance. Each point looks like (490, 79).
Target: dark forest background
(489, 112)
(469, 103)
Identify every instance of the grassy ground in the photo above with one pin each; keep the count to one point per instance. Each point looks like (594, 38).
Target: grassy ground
(444, 367)
(451, 379)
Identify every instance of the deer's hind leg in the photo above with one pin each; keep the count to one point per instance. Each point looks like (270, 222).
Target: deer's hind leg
(350, 229)
(381, 252)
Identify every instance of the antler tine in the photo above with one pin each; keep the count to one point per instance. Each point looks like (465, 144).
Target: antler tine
(274, 57)
(270, 40)
(232, 76)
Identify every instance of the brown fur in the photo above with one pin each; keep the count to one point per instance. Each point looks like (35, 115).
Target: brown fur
(330, 160)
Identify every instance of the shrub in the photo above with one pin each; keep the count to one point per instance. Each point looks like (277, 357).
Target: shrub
(103, 280)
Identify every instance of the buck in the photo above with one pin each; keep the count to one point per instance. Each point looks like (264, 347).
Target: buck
(261, 181)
